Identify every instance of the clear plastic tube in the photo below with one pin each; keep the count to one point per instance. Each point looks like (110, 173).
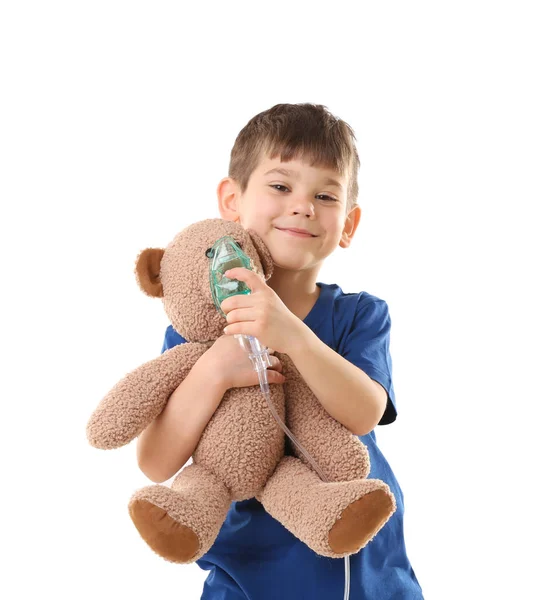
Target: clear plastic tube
(260, 359)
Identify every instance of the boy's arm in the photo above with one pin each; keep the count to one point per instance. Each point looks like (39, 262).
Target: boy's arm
(347, 393)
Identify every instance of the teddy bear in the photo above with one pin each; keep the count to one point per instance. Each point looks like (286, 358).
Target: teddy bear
(238, 457)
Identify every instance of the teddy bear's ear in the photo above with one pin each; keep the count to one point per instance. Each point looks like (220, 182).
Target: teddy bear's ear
(147, 270)
(263, 253)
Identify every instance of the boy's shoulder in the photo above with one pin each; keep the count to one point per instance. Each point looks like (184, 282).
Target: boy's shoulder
(338, 313)
(172, 338)
(358, 300)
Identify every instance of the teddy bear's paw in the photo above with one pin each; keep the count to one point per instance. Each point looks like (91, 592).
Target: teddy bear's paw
(362, 519)
(170, 539)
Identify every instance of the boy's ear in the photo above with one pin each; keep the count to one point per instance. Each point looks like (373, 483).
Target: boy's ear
(350, 226)
(227, 197)
(147, 271)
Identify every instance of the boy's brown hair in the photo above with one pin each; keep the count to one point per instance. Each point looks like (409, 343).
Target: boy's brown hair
(297, 131)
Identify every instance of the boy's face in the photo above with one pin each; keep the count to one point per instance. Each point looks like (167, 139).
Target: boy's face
(292, 194)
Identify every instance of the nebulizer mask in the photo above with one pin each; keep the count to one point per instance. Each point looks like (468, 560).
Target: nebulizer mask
(226, 254)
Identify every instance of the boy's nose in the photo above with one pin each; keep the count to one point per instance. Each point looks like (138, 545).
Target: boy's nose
(302, 205)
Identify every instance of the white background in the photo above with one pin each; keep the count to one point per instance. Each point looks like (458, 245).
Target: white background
(116, 124)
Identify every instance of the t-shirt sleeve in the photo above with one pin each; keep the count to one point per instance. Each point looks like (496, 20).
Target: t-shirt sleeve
(367, 347)
(172, 338)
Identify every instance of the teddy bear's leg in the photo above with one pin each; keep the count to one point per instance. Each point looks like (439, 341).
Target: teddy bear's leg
(334, 519)
(181, 523)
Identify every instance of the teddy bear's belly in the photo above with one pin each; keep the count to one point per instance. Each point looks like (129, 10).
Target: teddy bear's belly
(243, 443)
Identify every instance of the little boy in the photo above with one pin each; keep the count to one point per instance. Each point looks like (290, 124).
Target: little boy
(293, 179)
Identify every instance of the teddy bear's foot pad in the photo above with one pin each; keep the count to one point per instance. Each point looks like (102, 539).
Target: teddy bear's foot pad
(360, 522)
(171, 540)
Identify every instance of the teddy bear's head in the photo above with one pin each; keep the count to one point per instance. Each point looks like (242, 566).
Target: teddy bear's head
(180, 275)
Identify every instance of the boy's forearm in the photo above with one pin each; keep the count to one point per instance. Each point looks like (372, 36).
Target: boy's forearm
(347, 393)
(170, 440)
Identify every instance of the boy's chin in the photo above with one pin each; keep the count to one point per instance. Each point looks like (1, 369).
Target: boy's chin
(287, 263)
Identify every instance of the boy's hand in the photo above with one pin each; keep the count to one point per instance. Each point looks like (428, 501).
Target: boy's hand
(261, 313)
(229, 364)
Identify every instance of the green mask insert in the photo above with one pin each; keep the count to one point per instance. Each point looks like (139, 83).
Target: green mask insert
(226, 254)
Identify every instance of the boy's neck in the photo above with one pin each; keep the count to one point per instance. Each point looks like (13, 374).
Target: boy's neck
(297, 289)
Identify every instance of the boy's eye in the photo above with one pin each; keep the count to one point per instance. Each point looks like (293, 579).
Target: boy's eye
(278, 185)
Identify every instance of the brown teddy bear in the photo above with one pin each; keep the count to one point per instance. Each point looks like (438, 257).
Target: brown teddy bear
(238, 457)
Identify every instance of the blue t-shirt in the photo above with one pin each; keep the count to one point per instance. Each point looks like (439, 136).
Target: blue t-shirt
(254, 557)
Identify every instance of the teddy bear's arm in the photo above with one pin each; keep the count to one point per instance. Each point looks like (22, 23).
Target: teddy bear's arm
(339, 454)
(137, 399)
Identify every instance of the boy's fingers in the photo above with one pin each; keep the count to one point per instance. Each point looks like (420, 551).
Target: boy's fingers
(276, 363)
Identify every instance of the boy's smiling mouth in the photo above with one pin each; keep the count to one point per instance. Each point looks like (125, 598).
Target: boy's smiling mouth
(297, 232)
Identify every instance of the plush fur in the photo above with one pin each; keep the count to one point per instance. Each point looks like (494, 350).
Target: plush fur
(241, 453)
